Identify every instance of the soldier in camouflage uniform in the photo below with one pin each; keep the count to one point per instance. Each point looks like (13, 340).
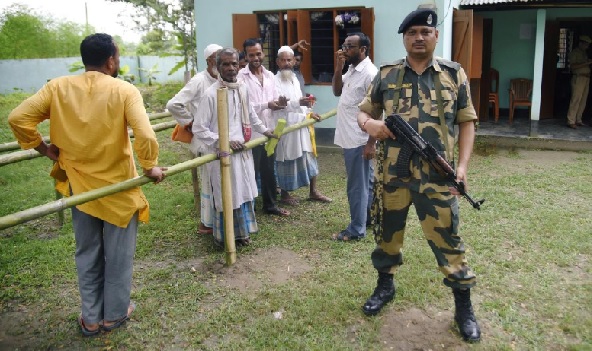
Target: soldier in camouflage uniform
(432, 95)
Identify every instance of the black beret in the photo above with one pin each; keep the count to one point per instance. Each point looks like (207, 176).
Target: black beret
(419, 17)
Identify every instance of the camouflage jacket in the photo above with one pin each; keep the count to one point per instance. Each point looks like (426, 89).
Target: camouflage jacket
(418, 106)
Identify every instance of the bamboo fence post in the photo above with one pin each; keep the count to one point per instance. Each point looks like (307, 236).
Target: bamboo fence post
(224, 145)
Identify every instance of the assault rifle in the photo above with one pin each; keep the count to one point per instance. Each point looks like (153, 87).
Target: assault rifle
(413, 142)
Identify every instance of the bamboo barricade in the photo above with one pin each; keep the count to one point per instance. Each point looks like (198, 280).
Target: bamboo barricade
(13, 145)
(18, 156)
(226, 181)
(16, 218)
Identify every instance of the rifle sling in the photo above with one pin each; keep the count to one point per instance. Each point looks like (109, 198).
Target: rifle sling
(438, 86)
(404, 158)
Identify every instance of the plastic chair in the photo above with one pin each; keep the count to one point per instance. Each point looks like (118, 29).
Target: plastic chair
(493, 97)
(520, 91)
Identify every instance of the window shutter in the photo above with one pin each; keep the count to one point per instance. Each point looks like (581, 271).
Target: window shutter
(303, 32)
(244, 26)
(367, 24)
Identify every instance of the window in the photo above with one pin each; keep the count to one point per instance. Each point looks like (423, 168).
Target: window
(324, 29)
(565, 44)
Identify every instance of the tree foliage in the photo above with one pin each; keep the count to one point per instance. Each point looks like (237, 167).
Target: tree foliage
(170, 25)
(26, 35)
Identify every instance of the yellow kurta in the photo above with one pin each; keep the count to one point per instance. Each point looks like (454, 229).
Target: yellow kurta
(89, 115)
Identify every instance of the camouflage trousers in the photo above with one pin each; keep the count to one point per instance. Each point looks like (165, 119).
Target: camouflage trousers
(438, 215)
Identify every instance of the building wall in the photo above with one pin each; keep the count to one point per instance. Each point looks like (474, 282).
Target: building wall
(214, 25)
(31, 75)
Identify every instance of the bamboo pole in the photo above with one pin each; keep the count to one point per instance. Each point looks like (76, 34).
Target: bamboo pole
(61, 204)
(226, 180)
(31, 153)
(13, 145)
(159, 115)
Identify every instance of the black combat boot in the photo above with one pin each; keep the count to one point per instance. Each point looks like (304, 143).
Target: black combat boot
(464, 315)
(384, 293)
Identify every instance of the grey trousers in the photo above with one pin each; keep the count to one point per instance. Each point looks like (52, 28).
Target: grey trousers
(104, 261)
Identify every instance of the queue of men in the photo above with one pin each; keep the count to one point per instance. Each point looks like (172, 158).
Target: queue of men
(105, 229)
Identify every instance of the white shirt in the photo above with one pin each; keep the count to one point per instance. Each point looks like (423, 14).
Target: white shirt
(205, 128)
(184, 104)
(291, 145)
(356, 81)
(260, 94)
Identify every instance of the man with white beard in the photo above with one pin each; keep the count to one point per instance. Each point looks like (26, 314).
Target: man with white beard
(296, 165)
(183, 107)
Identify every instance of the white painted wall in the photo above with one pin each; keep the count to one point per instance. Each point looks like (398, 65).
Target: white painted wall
(31, 75)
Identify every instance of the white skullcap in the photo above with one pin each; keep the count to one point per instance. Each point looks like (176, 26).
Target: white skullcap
(210, 49)
(285, 48)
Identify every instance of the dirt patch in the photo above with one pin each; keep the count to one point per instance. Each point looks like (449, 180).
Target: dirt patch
(414, 330)
(273, 266)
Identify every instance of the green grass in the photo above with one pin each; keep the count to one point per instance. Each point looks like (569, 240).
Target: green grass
(529, 245)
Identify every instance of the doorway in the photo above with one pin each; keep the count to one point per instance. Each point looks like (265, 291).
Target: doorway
(561, 37)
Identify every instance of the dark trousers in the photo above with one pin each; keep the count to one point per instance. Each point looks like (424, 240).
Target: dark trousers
(265, 171)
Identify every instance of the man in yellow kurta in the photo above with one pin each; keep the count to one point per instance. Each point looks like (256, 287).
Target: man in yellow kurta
(89, 115)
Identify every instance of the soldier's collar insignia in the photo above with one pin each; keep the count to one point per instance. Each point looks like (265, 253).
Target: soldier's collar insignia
(429, 20)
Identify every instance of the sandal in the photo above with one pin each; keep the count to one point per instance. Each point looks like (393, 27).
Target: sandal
(121, 321)
(205, 230)
(84, 330)
(291, 201)
(345, 236)
(278, 212)
(320, 198)
(243, 242)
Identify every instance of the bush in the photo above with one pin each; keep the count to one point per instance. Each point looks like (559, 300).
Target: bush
(156, 96)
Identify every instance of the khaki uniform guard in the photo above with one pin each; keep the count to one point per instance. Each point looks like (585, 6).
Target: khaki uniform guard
(580, 82)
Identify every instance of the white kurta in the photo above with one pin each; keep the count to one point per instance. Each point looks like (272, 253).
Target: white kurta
(184, 104)
(292, 145)
(205, 128)
(183, 107)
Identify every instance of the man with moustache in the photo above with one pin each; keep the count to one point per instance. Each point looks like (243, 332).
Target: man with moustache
(358, 149)
(241, 119)
(264, 97)
(89, 115)
(295, 162)
(183, 107)
(432, 95)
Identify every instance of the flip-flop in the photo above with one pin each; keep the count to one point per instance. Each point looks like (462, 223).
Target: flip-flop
(321, 198)
(345, 236)
(243, 242)
(121, 321)
(84, 330)
(205, 230)
(278, 212)
(292, 201)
